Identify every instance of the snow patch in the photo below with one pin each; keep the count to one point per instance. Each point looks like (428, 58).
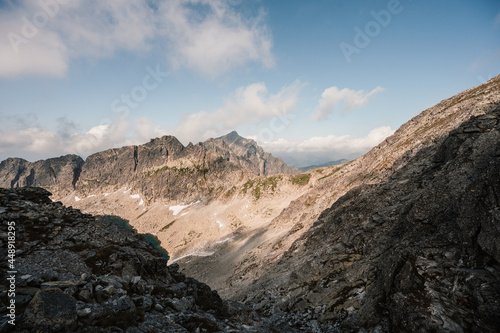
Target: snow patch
(91, 196)
(184, 213)
(77, 198)
(106, 194)
(135, 196)
(221, 225)
(177, 209)
(225, 240)
(141, 202)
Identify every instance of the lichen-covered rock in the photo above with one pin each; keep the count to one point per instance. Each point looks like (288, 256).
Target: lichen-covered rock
(51, 310)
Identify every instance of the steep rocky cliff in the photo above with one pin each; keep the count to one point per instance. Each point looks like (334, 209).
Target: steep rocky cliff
(418, 251)
(249, 154)
(60, 174)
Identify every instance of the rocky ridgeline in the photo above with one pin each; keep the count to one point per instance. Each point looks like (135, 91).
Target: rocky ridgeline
(160, 169)
(79, 274)
(59, 174)
(418, 252)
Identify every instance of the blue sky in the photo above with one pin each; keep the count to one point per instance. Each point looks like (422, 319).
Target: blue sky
(311, 81)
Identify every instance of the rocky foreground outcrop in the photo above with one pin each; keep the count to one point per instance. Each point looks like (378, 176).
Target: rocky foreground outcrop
(76, 273)
(418, 252)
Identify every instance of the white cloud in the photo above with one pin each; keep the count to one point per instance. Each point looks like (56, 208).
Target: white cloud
(206, 36)
(332, 97)
(249, 104)
(331, 143)
(99, 28)
(44, 54)
(217, 40)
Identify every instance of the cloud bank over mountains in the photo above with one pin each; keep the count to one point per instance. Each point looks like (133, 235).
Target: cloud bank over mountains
(206, 37)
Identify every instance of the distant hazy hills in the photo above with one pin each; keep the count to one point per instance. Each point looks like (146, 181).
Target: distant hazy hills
(327, 164)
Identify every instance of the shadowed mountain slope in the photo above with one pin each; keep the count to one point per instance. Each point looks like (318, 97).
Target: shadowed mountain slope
(418, 251)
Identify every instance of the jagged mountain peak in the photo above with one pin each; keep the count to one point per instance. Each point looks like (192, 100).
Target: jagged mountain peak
(248, 150)
(234, 139)
(166, 139)
(230, 137)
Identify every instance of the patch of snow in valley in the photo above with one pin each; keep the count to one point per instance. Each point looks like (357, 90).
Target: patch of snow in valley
(77, 198)
(137, 196)
(91, 196)
(106, 194)
(184, 213)
(177, 209)
(221, 225)
(225, 240)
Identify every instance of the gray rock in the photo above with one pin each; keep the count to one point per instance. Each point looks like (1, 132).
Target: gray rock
(51, 310)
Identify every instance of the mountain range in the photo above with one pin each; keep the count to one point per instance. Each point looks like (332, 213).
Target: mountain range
(404, 238)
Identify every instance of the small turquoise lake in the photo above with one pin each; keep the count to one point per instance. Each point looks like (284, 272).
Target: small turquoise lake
(153, 240)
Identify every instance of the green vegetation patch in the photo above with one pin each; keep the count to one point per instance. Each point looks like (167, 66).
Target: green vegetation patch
(141, 215)
(330, 174)
(248, 185)
(260, 186)
(229, 193)
(270, 182)
(167, 226)
(301, 180)
(179, 171)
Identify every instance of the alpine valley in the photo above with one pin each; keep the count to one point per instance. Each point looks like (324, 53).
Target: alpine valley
(405, 238)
